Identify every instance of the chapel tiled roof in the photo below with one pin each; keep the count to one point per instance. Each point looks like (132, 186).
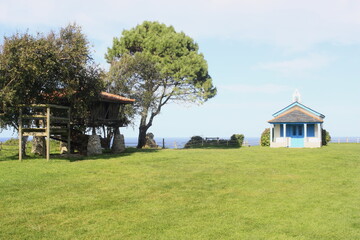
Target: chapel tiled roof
(296, 114)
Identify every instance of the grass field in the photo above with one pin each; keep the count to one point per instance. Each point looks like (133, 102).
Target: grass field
(247, 193)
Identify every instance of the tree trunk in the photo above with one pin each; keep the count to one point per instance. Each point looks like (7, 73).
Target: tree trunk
(142, 136)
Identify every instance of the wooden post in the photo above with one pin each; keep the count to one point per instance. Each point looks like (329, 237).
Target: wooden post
(69, 134)
(163, 143)
(20, 135)
(48, 133)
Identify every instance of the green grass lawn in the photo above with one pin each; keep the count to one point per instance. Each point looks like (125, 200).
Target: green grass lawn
(247, 193)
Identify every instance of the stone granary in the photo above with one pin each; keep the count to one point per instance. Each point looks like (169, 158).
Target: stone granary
(42, 122)
(296, 126)
(108, 112)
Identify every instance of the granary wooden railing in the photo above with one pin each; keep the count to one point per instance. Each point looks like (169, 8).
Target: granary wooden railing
(40, 120)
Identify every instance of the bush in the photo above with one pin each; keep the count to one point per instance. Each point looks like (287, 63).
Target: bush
(237, 139)
(265, 138)
(325, 137)
(194, 141)
(12, 141)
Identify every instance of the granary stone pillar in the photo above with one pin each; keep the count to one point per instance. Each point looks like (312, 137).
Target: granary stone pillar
(94, 145)
(38, 146)
(118, 143)
(63, 148)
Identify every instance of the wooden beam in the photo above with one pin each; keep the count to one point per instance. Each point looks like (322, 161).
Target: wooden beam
(20, 135)
(34, 116)
(59, 119)
(44, 106)
(34, 129)
(48, 133)
(34, 134)
(69, 132)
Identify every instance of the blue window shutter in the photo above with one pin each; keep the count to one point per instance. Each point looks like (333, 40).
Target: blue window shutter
(281, 130)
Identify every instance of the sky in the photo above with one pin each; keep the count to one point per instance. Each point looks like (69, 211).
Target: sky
(258, 51)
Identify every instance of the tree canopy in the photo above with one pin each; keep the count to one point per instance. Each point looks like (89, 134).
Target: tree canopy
(35, 69)
(156, 65)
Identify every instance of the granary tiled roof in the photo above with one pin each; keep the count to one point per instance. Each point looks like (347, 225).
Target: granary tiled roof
(115, 98)
(297, 114)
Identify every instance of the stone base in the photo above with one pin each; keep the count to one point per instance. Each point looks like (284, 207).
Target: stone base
(63, 148)
(94, 145)
(118, 144)
(150, 141)
(38, 146)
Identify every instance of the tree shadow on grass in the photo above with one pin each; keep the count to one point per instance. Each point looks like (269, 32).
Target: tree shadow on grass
(77, 157)
(104, 156)
(4, 158)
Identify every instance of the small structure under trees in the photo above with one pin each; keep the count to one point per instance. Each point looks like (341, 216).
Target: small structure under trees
(44, 120)
(55, 121)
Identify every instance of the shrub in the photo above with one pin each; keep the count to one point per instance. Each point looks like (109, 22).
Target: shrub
(237, 139)
(265, 138)
(325, 137)
(12, 141)
(194, 141)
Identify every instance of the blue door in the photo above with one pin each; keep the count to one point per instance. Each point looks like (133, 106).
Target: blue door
(296, 132)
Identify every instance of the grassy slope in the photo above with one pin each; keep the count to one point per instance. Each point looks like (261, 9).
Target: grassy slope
(248, 193)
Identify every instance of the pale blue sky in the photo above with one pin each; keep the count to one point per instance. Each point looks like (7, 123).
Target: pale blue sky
(258, 51)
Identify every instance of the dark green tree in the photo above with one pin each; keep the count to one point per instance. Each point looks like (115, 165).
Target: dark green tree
(157, 65)
(325, 137)
(37, 69)
(237, 140)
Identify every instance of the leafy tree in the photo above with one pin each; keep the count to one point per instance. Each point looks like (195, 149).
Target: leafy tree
(35, 69)
(195, 141)
(237, 139)
(325, 137)
(265, 138)
(157, 65)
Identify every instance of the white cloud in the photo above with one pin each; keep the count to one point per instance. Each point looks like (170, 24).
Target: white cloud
(297, 65)
(290, 24)
(255, 89)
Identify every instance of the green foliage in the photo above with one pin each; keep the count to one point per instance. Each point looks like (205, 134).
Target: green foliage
(252, 193)
(325, 137)
(265, 138)
(156, 65)
(12, 141)
(38, 69)
(194, 142)
(235, 141)
(238, 139)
